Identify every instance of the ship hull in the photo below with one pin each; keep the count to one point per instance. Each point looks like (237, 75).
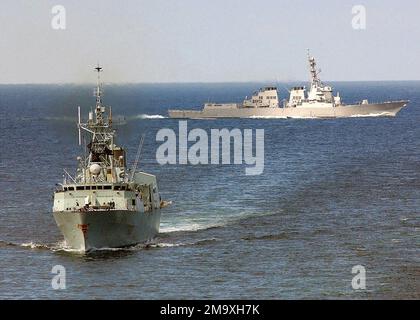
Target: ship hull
(386, 109)
(86, 231)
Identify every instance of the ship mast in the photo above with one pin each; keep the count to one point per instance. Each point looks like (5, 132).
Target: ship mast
(101, 143)
(315, 81)
(98, 93)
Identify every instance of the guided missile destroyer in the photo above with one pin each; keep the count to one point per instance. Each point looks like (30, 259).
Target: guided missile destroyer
(319, 102)
(104, 205)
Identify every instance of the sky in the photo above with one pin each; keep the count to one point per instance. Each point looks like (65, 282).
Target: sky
(154, 41)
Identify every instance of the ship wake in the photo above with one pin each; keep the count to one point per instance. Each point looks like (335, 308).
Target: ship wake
(267, 117)
(382, 114)
(188, 227)
(148, 117)
(62, 247)
(34, 245)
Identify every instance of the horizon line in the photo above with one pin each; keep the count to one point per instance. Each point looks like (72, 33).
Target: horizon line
(195, 82)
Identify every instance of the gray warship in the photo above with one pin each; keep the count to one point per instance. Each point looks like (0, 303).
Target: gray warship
(105, 205)
(318, 102)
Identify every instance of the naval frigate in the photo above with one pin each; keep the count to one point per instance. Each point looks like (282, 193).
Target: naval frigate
(318, 102)
(105, 205)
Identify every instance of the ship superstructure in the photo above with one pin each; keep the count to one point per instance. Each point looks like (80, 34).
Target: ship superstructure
(105, 205)
(319, 95)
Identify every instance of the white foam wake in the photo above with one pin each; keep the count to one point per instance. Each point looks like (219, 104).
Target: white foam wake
(303, 117)
(183, 227)
(188, 226)
(181, 244)
(382, 114)
(149, 116)
(34, 245)
(61, 246)
(267, 117)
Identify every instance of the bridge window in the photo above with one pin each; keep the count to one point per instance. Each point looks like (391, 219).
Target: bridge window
(107, 187)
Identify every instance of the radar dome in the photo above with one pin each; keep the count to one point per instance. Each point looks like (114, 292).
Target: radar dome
(95, 169)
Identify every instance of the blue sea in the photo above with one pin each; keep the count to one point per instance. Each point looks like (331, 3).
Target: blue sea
(333, 194)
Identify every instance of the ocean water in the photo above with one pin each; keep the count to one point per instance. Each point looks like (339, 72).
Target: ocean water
(333, 194)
